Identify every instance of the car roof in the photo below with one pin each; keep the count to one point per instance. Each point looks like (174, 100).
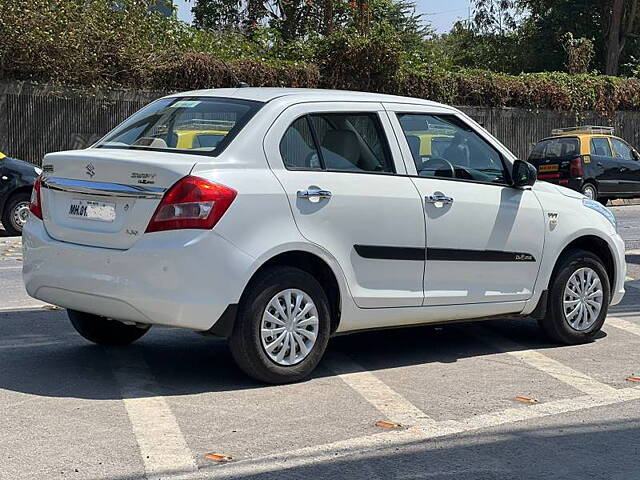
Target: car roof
(581, 136)
(296, 95)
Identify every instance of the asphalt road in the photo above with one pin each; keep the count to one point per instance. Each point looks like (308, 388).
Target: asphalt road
(155, 409)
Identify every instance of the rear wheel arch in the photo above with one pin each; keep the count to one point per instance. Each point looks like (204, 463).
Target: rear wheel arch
(16, 191)
(315, 266)
(592, 182)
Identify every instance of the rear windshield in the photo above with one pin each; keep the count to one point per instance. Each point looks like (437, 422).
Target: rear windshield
(200, 125)
(556, 148)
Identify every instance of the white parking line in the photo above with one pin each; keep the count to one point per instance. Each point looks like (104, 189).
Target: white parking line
(387, 401)
(332, 451)
(163, 448)
(623, 325)
(578, 380)
(23, 306)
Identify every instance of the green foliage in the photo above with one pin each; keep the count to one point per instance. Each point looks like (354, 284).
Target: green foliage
(350, 61)
(92, 43)
(579, 53)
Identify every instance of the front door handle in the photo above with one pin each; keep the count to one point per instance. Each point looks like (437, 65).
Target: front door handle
(314, 194)
(439, 198)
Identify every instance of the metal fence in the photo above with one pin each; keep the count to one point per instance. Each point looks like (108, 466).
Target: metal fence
(35, 120)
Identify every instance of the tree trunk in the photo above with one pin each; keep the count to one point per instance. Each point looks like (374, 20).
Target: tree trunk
(614, 47)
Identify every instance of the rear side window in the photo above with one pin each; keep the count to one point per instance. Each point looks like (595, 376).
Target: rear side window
(622, 149)
(353, 142)
(560, 147)
(201, 125)
(600, 147)
(297, 147)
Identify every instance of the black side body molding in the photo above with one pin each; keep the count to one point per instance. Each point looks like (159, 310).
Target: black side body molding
(440, 254)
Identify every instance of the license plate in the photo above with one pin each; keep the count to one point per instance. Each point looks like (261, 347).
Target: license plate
(91, 210)
(548, 168)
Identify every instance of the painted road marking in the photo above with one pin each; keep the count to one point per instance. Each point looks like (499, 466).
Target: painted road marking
(625, 325)
(578, 380)
(399, 438)
(163, 448)
(20, 307)
(387, 401)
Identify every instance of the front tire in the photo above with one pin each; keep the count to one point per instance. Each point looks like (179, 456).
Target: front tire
(104, 331)
(283, 326)
(579, 299)
(16, 212)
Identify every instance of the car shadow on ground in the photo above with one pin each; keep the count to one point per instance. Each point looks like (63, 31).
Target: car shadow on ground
(41, 354)
(633, 258)
(566, 449)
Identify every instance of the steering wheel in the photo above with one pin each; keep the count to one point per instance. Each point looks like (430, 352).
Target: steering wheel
(439, 162)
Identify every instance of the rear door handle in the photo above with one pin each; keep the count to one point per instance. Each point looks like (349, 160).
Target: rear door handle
(439, 198)
(313, 194)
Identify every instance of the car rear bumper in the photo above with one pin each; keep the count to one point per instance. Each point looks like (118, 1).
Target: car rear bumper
(181, 278)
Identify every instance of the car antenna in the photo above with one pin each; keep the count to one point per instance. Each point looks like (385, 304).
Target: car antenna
(239, 84)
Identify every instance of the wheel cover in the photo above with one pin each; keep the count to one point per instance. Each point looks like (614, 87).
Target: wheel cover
(583, 298)
(289, 327)
(19, 215)
(589, 192)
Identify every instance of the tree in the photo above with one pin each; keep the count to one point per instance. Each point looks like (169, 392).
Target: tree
(623, 23)
(296, 19)
(494, 16)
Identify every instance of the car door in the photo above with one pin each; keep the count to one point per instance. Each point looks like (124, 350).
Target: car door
(629, 166)
(349, 193)
(484, 238)
(604, 165)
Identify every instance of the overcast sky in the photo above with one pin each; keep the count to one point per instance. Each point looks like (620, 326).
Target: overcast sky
(442, 15)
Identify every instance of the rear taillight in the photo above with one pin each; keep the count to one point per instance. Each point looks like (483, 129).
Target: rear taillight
(193, 202)
(35, 205)
(575, 167)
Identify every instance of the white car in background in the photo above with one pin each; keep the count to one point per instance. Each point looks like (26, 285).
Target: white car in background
(279, 217)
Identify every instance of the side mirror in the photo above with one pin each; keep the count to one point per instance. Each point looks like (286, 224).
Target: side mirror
(524, 174)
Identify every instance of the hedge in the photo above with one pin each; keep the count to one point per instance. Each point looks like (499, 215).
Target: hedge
(92, 44)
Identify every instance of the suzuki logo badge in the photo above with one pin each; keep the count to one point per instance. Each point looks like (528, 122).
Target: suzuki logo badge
(91, 170)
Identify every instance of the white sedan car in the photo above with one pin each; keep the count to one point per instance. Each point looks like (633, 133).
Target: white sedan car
(277, 218)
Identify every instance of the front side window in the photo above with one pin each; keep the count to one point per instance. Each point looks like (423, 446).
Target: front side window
(622, 149)
(600, 147)
(444, 146)
(203, 125)
(350, 142)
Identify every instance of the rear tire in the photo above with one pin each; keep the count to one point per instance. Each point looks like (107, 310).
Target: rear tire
(15, 213)
(267, 329)
(579, 281)
(590, 191)
(104, 331)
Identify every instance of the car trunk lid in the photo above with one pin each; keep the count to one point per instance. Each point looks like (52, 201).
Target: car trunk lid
(106, 197)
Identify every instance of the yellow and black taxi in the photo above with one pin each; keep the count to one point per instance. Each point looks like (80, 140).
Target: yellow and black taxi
(591, 160)
(16, 181)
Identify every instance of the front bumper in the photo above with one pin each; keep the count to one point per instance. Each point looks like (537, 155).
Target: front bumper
(621, 269)
(179, 278)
